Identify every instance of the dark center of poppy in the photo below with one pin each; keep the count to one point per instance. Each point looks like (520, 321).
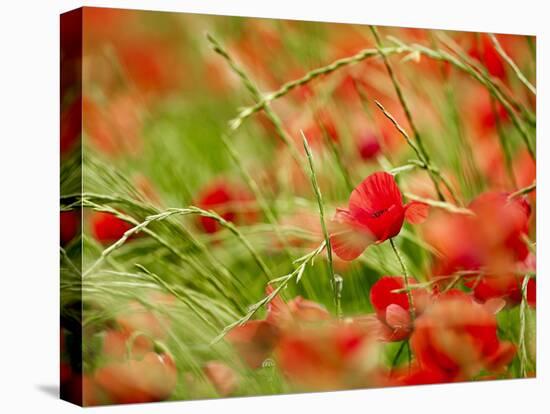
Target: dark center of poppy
(378, 213)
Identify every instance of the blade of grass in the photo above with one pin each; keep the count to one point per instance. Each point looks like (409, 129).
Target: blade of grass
(512, 64)
(320, 204)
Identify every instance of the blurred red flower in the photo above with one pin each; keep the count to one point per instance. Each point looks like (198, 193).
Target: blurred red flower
(375, 214)
(392, 321)
(69, 225)
(108, 228)
(256, 340)
(492, 241)
(368, 146)
(231, 201)
(148, 379)
(457, 337)
(222, 376)
(484, 51)
(330, 356)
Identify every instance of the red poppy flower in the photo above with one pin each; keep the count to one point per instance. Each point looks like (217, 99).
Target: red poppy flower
(232, 202)
(368, 146)
(69, 225)
(255, 340)
(223, 377)
(486, 52)
(417, 375)
(108, 228)
(375, 214)
(151, 378)
(328, 356)
(392, 321)
(458, 338)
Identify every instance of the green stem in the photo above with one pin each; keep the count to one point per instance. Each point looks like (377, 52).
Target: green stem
(512, 64)
(523, 359)
(418, 139)
(319, 198)
(308, 77)
(405, 280)
(397, 355)
(524, 190)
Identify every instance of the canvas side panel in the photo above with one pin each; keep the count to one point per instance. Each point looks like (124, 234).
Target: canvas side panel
(70, 206)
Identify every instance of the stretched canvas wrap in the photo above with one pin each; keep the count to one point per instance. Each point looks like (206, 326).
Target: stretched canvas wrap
(259, 206)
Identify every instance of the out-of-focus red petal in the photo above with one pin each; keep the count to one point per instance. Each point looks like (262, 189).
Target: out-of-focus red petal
(415, 212)
(382, 294)
(397, 317)
(254, 341)
(494, 305)
(347, 239)
(502, 357)
(222, 376)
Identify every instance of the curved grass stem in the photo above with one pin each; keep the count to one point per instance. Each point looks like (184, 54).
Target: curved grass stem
(319, 197)
(405, 280)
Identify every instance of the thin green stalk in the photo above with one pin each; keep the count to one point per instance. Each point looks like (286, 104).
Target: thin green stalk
(266, 209)
(216, 265)
(432, 171)
(512, 64)
(192, 210)
(283, 281)
(451, 208)
(189, 302)
(417, 138)
(308, 77)
(185, 259)
(493, 90)
(504, 145)
(256, 94)
(492, 83)
(405, 280)
(337, 157)
(320, 204)
(523, 358)
(464, 143)
(397, 355)
(524, 190)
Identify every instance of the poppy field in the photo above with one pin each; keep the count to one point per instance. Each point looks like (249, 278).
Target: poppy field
(258, 206)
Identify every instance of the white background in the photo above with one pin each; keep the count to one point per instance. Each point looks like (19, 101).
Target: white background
(29, 85)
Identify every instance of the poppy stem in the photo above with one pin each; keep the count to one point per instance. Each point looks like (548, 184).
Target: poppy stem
(397, 355)
(405, 279)
(523, 358)
(319, 197)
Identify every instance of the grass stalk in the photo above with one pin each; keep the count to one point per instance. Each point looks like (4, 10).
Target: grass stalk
(512, 64)
(412, 312)
(308, 77)
(320, 204)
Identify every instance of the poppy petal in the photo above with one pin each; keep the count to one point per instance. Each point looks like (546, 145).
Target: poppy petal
(397, 317)
(346, 239)
(415, 212)
(377, 192)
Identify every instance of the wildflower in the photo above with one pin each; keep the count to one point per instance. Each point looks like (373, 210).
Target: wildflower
(392, 320)
(255, 340)
(108, 228)
(222, 376)
(457, 338)
(375, 214)
(230, 201)
(69, 225)
(151, 378)
(334, 355)
(368, 146)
